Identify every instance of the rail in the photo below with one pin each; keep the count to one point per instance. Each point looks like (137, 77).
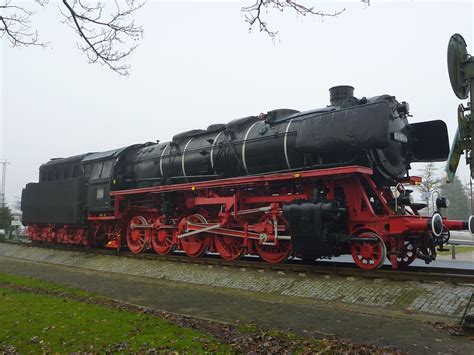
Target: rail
(414, 273)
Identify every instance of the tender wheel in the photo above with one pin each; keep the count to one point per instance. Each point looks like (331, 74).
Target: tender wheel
(407, 254)
(62, 235)
(229, 248)
(195, 245)
(33, 233)
(138, 238)
(369, 255)
(162, 241)
(281, 250)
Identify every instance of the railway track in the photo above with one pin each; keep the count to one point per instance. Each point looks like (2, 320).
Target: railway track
(414, 273)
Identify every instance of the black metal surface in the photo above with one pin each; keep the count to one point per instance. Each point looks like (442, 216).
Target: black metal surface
(339, 94)
(55, 202)
(430, 141)
(311, 223)
(372, 132)
(104, 155)
(352, 129)
(62, 168)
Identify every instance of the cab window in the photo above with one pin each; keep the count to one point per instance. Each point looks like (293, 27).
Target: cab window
(107, 169)
(96, 170)
(88, 170)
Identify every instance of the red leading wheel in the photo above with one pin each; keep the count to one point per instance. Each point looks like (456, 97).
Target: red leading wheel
(369, 255)
(138, 237)
(197, 244)
(229, 248)
(162, 241)
(279, 250)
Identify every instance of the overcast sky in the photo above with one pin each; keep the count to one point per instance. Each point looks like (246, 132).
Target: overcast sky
(198, 64)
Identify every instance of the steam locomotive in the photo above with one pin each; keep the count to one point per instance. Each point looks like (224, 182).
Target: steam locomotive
(313, 184)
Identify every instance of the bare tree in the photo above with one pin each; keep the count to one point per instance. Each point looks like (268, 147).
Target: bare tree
(15, 23)
(430, 183)
(255, 13)
(107, 31)
(108, 36)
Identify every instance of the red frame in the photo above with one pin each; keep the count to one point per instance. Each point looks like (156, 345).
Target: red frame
(244, 208)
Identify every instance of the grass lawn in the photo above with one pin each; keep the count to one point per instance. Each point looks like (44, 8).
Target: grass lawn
(32, 322)
(43, 317)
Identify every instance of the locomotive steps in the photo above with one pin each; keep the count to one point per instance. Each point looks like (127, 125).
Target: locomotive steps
(426, 300)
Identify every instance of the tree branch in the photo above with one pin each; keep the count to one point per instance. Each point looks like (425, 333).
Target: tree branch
(254, 13)
(15, 25)
(107, 34)
(107, 29)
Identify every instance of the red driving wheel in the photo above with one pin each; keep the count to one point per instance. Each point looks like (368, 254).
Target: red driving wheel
(138, 237)
(162, 241)
(279, 250)
(229, 248)
(369, 255)
(197, 244)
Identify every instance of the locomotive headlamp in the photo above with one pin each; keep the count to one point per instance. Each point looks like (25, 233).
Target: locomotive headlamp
(436, 224)
(442, 202)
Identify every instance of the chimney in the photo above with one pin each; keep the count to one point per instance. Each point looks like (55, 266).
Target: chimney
(339, 94)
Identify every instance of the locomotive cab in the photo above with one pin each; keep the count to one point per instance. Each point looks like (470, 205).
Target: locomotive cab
(103, 173)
